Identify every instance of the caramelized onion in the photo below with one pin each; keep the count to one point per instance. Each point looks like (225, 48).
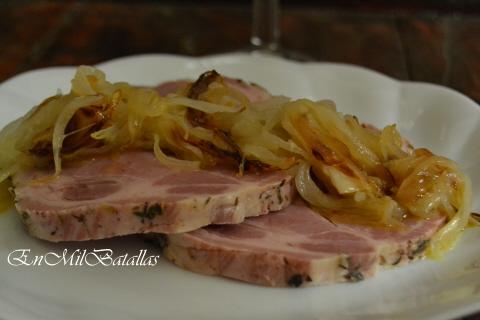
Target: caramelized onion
(349, 172)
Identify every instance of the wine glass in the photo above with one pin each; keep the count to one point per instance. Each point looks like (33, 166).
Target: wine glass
(265, 34)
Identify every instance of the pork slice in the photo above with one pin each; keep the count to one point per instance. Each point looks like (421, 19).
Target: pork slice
(296, 247)
(168, 87)
(133, 193)
(253, 92)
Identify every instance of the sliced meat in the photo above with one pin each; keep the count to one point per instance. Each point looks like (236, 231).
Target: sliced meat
(132, 193)
(171, 86)
(296, 247)
(253, 92)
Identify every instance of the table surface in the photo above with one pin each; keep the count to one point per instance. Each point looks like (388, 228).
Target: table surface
(431, 44)
(419, 45)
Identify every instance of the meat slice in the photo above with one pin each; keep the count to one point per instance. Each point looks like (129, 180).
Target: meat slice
(133, 193)
(253, 92)
(171, 86)
(296, 247)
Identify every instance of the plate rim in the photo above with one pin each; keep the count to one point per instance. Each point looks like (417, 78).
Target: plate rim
(233, 55)
(379, 75)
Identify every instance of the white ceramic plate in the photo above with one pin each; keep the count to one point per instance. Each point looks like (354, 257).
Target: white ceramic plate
(428, 115)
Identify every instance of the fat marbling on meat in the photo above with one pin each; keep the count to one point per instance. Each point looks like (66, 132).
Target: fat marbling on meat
(297, 247)
(132, 193)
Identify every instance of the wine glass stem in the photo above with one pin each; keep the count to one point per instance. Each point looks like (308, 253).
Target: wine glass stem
(265, 25)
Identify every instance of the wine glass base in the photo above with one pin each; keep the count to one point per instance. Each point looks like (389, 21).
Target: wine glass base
(277, 51)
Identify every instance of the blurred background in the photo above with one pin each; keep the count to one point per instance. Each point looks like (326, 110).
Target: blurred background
(436, 41)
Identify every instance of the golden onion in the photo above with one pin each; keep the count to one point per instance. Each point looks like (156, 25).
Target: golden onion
(345, 169)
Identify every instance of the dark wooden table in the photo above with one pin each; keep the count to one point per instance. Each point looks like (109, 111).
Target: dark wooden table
(421, 44)
(438, 44)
